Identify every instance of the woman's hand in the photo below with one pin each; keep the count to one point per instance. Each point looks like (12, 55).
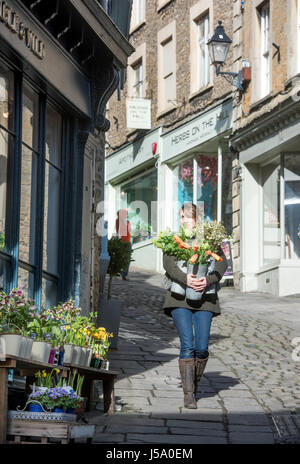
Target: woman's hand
(196, 284)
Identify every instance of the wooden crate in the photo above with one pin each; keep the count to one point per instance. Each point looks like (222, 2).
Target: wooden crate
(37, 431)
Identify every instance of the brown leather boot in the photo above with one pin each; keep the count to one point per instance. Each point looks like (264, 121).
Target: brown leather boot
(200, 365)
(187, 372)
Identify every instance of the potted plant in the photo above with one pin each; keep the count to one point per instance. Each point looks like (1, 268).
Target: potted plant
(15, 312)
(40, 327)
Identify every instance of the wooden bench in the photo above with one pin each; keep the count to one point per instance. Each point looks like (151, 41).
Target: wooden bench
(27, 367)
(108, 378)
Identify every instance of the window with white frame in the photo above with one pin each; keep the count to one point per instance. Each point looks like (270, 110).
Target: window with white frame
(168, 73)
(138, 12)
(264, 12)
(137, 83)
(202, 52)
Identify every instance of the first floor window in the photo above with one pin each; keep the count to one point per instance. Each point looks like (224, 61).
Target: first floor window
(265, 49)
(138, 80)
(203, 55)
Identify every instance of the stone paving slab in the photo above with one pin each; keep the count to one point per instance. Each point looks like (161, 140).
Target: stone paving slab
(249, 378)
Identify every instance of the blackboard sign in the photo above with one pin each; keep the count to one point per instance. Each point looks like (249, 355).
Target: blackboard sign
(226, 247)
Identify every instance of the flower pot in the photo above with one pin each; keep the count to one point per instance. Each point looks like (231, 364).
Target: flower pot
(71, 411)
(200, 270)
(76, 355)
(213, 288)
(35, 408)
(69, 349)
(95, 363)
(177, 288)
(82, 357)
(40, 351)
(88, 357)
(60, 410)
(29, 342)
(23, 347)
(10, 344)
(61, 355)
(52, 356)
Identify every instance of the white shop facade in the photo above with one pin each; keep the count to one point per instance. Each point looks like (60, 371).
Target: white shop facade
(192, 163)
(270, 202)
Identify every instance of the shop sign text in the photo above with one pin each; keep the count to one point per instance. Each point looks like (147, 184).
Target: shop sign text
(12, 20)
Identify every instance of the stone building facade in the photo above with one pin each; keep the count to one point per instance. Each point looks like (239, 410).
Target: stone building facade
(191, 119)
(265, 140)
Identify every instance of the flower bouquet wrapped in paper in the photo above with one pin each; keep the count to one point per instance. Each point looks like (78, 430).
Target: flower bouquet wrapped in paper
(196, 251)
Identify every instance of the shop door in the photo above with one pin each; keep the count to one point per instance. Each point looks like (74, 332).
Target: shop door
(87, 247)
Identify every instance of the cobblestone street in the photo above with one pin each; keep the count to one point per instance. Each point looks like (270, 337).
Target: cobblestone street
(249, 392)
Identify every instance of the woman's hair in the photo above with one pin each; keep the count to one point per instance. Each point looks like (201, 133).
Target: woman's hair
(190, 210)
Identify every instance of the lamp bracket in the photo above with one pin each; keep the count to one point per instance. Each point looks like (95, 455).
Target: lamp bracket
(233, 78)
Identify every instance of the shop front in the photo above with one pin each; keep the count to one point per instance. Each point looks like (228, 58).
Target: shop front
(196, 166)
(52, 102)
(132, 183)
(270, 203)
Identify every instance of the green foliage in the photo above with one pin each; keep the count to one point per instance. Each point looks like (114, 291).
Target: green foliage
(2, 241)
(204, 237)
(120, 255)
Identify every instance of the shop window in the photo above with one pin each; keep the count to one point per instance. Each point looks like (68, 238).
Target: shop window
(207, 185)
(226, 214)
(28, 206)
(271, 211)
(202, 52)
(140, 197)
(7, 141)
(292, 205)
(26, 281)
(264, 14)
(52, 190)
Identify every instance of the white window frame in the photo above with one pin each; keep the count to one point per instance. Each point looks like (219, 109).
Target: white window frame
(165, 35)
(137, 84)
(138, 14)
(265, 49)
(203, 78)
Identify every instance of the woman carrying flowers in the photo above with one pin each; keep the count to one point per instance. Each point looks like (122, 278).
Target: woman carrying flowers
(193, 318)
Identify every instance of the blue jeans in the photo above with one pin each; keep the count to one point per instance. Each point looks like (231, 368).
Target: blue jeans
(194, 330)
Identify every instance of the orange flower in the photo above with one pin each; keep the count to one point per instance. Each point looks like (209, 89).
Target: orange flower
(184, 245)
(194, 258)
(195, 247)
(177, 239)
(214, 255)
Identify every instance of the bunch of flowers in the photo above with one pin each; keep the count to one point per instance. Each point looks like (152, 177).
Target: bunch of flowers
(15, 311)
(193, 245)
(46, 379)
(100, 341)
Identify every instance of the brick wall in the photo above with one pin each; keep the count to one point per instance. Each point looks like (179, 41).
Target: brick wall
(178, 10)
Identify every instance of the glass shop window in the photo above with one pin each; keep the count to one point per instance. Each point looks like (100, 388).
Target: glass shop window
(139, 197)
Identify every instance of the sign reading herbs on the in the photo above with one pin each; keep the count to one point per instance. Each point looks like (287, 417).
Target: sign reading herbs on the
(16, 25)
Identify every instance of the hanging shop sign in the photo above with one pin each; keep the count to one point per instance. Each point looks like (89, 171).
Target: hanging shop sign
(197, 131)
(138, 113)
(13, 21)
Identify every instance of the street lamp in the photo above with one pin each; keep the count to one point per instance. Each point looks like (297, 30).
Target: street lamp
(218, 47)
